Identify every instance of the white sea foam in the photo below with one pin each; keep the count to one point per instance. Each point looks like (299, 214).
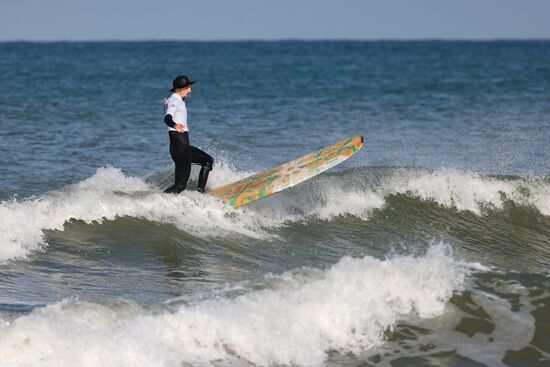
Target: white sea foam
(468, 191)
(110, 194)
(297, 320)
(449, 188)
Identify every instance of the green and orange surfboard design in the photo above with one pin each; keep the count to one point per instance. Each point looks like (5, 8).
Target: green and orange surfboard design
(286, 175)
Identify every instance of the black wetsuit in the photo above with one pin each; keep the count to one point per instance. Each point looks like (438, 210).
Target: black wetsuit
(183, 155)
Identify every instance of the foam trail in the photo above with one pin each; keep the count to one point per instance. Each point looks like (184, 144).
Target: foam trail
(510, 309)
(297, 320)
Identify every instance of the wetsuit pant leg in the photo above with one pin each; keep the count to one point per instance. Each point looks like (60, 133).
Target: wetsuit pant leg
(180, 150)
(206, 162)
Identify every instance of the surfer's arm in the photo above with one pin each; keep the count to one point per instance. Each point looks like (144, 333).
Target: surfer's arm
(169, 120)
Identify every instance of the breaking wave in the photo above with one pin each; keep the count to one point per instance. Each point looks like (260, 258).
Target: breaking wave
(296, 318)
(358, 193)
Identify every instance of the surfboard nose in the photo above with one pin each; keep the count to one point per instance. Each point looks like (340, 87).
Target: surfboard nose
(288, 174)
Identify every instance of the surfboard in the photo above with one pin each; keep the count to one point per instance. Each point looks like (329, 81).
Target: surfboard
(267, 183)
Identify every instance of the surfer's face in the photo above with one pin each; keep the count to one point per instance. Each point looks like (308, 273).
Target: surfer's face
(185, 92)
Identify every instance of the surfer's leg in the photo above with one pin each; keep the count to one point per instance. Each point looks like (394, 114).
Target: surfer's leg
(181, 154)
(206, 162)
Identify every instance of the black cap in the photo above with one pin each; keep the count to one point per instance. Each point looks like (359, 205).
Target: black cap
(181, 81)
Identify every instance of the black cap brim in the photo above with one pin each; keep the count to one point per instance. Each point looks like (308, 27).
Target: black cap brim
(185, 86)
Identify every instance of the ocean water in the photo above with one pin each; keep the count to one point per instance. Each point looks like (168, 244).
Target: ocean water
(429, 247)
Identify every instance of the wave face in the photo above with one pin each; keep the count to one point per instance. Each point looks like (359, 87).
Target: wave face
(473, 210)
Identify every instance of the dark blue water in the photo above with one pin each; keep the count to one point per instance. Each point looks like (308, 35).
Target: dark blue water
(68, 108)
(431, 246)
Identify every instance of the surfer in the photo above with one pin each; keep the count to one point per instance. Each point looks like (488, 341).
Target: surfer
(183, 154)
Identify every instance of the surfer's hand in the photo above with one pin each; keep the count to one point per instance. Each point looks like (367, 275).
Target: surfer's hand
(179, 128)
